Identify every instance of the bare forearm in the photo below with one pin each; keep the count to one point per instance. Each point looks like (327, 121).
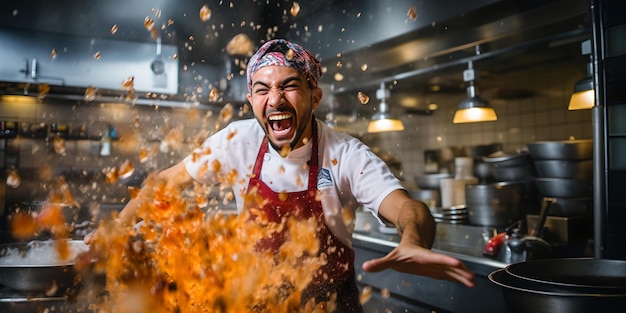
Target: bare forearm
(413, 254)
(415, 224)
(412, 218)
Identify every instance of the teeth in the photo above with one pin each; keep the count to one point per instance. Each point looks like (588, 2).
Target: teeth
(278, 117)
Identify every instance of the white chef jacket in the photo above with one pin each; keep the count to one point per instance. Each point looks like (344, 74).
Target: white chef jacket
(350, 174)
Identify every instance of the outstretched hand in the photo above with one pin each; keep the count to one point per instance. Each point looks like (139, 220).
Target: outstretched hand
(413, 259)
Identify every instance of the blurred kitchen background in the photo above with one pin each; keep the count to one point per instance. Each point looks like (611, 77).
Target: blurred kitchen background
(102, 93)
(117, 89)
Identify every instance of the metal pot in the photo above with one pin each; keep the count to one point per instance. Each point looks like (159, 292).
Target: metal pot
(36, 267)
(561, 150)
(571, 207)
(523, 296)
(511, 167)
(431, 181)
(564, 187)
(565, 168)
(509, 160)
(574, 273)
(563, 285)
(496, 205)
(483, 150)
(483, 171)
(514, 173)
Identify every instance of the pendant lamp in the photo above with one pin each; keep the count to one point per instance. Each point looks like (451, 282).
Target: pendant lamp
(473, 108)
(584, 93)
(383, 121)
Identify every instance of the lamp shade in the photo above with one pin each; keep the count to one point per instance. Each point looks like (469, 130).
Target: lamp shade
(472, 115)
(474, 109)
(383, 121)
(583, 96)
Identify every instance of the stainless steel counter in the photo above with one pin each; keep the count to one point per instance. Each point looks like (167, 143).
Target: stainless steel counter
(399, 292)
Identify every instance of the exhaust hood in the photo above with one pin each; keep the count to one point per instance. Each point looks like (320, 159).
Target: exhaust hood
(63, 68)
(53, 59)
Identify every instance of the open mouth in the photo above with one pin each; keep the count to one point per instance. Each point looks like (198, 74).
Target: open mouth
(280, 123)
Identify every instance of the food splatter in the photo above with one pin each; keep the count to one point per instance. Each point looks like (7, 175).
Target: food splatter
(43, 90)
(90, 93)
(184, 259)
(214, 95)
(226, 113)
(13, 179)
(295, 9)
(205, 13)
(58, 144)
(412, 14)
(363, 98)
(128, 83)
(240, 44)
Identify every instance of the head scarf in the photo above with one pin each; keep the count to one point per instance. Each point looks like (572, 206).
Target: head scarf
(285, 53)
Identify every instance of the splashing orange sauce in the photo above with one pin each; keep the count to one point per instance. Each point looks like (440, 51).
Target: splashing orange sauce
(183, 259)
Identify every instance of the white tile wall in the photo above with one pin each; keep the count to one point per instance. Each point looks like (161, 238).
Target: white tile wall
(541, 117)
(520, 121)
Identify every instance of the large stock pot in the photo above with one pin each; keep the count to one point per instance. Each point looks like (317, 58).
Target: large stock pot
(570, 285)
(36, 266)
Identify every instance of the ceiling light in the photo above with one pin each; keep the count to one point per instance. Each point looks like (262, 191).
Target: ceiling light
(383, 121)
(584, 94)
(18, 99)
(473, 108)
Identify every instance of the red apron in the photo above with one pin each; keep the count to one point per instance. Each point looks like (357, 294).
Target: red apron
(339, 269)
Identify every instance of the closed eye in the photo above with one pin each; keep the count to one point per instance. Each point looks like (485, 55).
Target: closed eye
(291, 87)
(261, 91)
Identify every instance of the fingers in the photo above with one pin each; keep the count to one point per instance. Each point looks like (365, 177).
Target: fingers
(376, 265)
(463, 276)
(428, 264)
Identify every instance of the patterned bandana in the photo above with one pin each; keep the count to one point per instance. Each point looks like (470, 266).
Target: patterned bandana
(285, 53)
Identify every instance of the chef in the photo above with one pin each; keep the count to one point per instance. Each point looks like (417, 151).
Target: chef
(303, 169)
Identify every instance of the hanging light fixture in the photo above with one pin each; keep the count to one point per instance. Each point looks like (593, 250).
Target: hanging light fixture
(584, 94)
(473, 108)
(383, 121)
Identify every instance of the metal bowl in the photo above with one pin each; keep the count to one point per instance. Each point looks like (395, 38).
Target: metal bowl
(564, 187)
(565, 168)
(509, 160)
(495, 205)
(514, 173)
(573, 273)
(32, 267)
(522, 296)
(561, 150)
(431, 181)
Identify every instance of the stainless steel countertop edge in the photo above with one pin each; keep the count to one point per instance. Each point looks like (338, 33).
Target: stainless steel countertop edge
(482, 266)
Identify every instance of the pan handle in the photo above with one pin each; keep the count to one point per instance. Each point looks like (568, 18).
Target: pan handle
(543, 214)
